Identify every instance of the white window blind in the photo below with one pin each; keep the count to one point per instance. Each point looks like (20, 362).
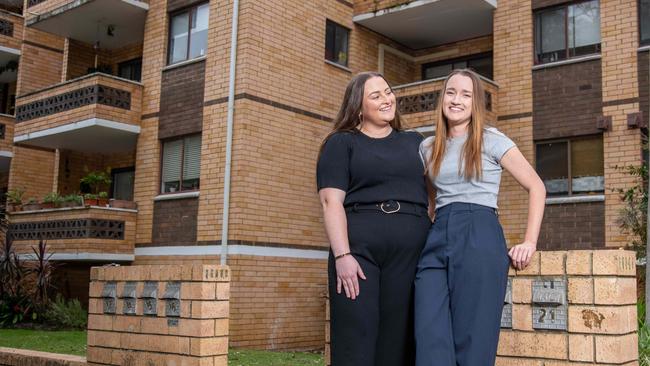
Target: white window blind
(192, 158)
(171, 165)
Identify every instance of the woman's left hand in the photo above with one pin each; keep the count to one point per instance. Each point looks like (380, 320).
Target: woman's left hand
(521, 254)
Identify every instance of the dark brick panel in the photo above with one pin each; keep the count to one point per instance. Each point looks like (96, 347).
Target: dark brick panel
(573, 226)
(538, 4)
(644, 83)
(567, 100)
(181, 101)
(174, 222)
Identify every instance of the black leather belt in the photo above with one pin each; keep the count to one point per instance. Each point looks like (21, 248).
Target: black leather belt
(389, 207)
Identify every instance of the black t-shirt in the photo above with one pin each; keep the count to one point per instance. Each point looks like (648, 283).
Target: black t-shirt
(372, 170)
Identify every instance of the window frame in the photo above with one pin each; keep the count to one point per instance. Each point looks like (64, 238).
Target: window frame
(347, 51)
(567, 49)
(467, 58)
(176, 13)
(115, 171)
(161, 190)
(130, 63)
(642, 42)
(568, 141)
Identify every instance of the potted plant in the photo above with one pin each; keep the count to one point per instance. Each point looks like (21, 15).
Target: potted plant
(32, 204)
(15, 199)
(96, 180)
(71, 200)
(102, 199)
(90, 199)
(52, 200)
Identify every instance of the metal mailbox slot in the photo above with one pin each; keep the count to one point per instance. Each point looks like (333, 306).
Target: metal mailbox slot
(129, 298)
(150, 298)
(549, 304)
(109, 294)
(172, 299)
(506, 314)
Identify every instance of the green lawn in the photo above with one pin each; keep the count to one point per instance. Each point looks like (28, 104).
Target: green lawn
(74, 343)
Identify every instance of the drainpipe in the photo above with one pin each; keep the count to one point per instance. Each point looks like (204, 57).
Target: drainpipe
(647, 260)
(231, 111)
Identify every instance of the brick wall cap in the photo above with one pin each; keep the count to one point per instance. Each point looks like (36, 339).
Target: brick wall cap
(176, 196)
(575, 199)
(566, 62)
(71, 81)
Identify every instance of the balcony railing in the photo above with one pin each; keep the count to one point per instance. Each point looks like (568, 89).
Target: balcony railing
(77, 230)
(419, 100)
(79, 109)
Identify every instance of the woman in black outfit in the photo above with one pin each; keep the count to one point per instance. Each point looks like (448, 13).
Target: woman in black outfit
(372, 187)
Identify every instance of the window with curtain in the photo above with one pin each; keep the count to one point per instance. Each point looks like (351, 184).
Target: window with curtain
(571, 166)
(567, 31)
(336, 43)
(188, 34)
(181, 164)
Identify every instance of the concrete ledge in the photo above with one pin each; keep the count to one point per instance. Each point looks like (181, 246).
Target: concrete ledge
(23, 357)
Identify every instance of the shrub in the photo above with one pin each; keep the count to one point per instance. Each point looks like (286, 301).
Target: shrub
(66, 314)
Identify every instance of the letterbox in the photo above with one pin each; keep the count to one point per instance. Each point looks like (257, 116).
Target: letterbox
(129, 298)
(150, 298)
(506, 314)
(549, 304)
(109, 294)
(172, 299)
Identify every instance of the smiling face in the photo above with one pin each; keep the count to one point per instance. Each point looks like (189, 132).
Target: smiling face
(378, 105)
(457, 100)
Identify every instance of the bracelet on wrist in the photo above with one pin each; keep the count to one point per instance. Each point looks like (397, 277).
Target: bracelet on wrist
(341, 255)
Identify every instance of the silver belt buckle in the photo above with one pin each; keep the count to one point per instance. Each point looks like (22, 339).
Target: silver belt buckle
(381, 206)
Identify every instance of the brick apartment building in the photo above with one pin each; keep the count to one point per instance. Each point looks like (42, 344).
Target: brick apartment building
(142, 88)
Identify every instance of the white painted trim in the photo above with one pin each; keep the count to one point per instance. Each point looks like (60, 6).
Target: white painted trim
(6, 154)
(7, 115)
(183, 63)
(644, 48)
(91, 122)
(176, 196)
(575, 199)
(63, 209)
(140, 4)
(85, 257)
(13, 51)
(567, 62)
(233, 250)
(344, 68)
(394, 9)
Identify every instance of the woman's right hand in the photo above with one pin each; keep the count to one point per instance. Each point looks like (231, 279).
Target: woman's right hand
(348, 272)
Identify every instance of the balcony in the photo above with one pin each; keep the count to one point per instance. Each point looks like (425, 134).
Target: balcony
(88, 233)
(110, 23)
(427, 23)
(418, 101)
(11, 32)
(94, 113)
(6, 136)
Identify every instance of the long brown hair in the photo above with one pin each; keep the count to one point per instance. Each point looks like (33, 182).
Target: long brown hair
(471, 154)
(347, 119)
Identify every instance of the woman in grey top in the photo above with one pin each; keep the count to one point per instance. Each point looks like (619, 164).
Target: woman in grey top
(462, 272)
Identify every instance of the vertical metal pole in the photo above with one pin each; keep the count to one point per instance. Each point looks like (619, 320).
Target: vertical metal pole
(647, 246)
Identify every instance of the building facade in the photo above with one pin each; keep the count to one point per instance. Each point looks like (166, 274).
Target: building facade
(140, 89)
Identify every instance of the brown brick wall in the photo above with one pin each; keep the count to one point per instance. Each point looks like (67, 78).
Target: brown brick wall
(644, 84)
(567, 100)
(174, 222)
(367, 6)
(71, 281)
(181, 100)
(41, 61)
(73, 164)
(275, 302)
(33, 171)
(573, 226)
(17, 21)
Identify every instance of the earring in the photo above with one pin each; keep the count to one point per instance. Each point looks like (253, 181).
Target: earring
(360, 117)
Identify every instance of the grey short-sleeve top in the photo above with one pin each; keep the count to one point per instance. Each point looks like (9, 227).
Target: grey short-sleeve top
(451, 186)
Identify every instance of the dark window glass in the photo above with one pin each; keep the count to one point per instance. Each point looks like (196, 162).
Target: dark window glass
(571, 166)
(181, 164)
(567, 31)
(336, 43)
(131, 69)
(482, 64)
(122, 183)
(644, 22)
(188, 34)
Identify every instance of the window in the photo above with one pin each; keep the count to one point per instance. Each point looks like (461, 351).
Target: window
(181, 164)
(481, 63)
(336, 43)
(644, 22)
(131, 69)
(570, 167)
(567, 31)
(188, 34)
(122, 183)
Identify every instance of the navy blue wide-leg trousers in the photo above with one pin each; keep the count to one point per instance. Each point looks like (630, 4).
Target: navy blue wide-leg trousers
(460, 287)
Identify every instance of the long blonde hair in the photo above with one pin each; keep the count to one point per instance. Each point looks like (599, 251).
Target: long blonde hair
(471, 154)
